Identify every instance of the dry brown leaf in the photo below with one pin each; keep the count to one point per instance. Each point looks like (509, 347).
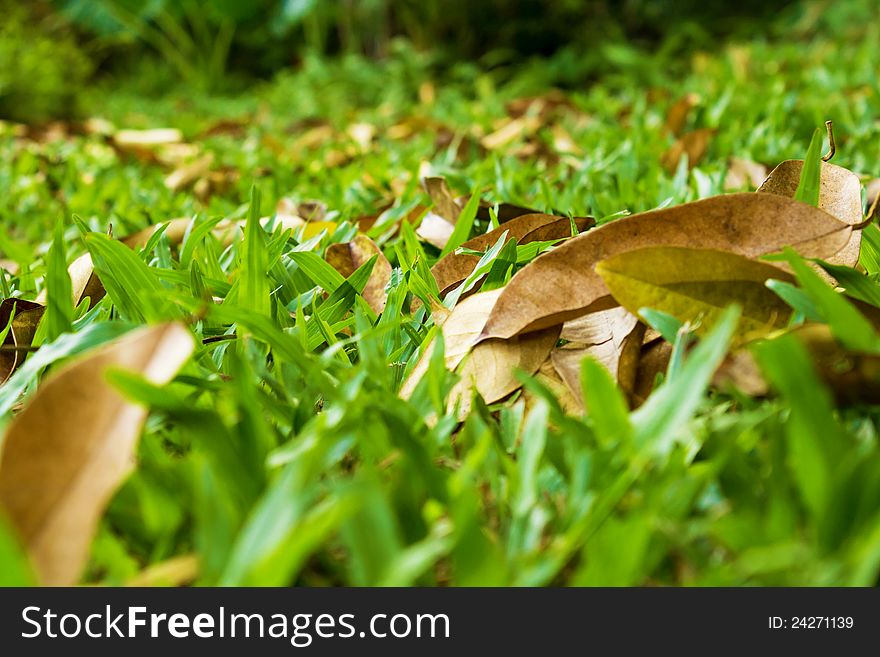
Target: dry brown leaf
(853, 377)
(24, 326)
(454, 268)
(840, 195)
(66, 453)
(740, 369)
(511, 130)
(9, 265)
(135, 140)
(653, 360)
(694, 144)
(435, 230)
(550, 379)
(490, 368)
(742, 173)
(347, 257)
(174, 155)
(460, 328)
(678, 113)
(186, 175)
(872, 191)
(445, 205)
(563, 142)
(613, 337)
(562, 284)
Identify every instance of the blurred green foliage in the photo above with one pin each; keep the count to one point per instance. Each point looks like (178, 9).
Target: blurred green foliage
(42, 67)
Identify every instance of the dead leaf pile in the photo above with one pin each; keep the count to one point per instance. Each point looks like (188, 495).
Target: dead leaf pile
(584, 297)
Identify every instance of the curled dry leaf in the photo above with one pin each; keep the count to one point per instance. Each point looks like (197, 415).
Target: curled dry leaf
(24, 326)
(444, 201)
(613, 337)
(454, 268)
(840, 195)
(872, 191)
(561, 284)
(742, 174)
(697, 285)
(347, 257)
(694, 144)
(66, 453)
(653, 361)
(186, 175)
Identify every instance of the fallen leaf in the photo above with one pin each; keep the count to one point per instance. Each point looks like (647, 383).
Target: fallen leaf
(9, 265)
(563, 141)
(445, 205)
(840, 195)
(146, 139)
(66, 453)
(550, 379)
(678, 113)
(561, 284)
(452, 269)
(24, 326)
(872, 191)
(435, 230)
(174, 155)
(694, 144)
(739, 369)
(186, 175)
(613, 337)
(653, 361)
(853, 377)
(697, 285)
(348, 256)
(460, 330)
(490, 368)
(511, 130)
(742, 173)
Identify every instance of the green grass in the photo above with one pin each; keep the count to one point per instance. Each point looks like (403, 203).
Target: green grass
(283, 454)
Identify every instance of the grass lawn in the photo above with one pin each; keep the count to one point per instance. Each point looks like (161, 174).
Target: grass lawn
(282, 452)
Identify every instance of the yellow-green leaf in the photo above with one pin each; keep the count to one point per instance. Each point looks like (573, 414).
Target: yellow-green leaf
(696, 285)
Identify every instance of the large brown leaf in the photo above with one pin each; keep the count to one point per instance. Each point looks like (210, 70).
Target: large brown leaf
(455, 268)
(24, 325)
(562, 284)
(66, 453)
(347, 257)
(840, 195)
